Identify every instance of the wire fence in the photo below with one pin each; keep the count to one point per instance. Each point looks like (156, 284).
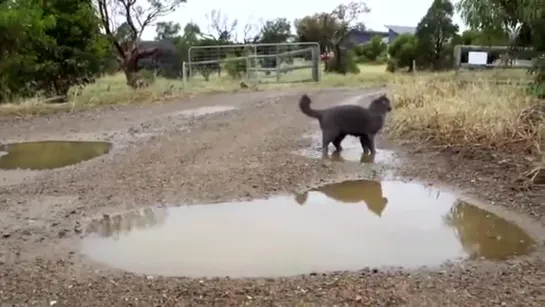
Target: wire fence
(254, 63)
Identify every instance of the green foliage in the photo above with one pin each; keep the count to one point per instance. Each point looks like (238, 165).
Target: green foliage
(361, 59)
(433, 34)
(391, 65)
(321, 28)
(148, 76)
(167, 30)
(22, 25)
(372, 50)
(275, 31)
(48, 46)
(234, 68)
(403, 50)
(382, 58)
(348, 64)
(329, 30)
(74, 49)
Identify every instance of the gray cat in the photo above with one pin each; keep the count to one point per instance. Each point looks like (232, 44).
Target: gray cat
(339, 121)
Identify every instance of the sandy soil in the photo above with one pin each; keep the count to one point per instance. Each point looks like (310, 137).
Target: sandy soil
(161, 156)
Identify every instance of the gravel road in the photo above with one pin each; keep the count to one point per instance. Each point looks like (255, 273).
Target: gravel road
(162, 156)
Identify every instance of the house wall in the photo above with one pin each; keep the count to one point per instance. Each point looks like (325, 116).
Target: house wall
(362, 37)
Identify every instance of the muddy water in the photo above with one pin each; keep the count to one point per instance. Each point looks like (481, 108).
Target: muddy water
(352, 151)
(205, 110)
(344, 226)
(49, 154)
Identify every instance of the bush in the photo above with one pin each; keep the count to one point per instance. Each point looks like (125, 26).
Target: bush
(382, 59)
(403, 49)
(362, 59)
(148, 76)
(349, 64)
(391, 65)
(234, 68)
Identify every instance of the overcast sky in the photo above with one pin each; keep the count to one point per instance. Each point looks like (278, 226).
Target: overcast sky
(390, 12)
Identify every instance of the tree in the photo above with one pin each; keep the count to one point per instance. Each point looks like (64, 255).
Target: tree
(433, 33)
(347, 14)
(329, 30)
(167, 30)
(469, 37)
(21, 24)
(222, 29)
(137, 18)
(189, 38)
(403, 50)
(320, 27)
(275, 31)
(74, 51)
(374, 48)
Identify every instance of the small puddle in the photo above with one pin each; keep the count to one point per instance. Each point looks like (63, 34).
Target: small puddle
(352, 151)
(49, 154)
(205, 110)
(343, 226)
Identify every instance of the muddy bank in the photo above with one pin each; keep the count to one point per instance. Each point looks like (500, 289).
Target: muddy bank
(245, 153)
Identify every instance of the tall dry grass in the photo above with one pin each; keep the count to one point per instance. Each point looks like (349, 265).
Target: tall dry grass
(473, 114)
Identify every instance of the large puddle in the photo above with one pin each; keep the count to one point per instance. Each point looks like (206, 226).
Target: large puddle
(352, 151)
(343, 226)
(49, 154)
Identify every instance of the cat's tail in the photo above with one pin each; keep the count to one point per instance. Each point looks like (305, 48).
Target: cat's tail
(304, 105)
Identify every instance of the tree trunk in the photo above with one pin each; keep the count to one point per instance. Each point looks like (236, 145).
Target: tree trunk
(340, 58)
(131, 75)
(130, 65)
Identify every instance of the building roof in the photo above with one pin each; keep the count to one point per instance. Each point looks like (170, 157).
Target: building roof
(401, 29)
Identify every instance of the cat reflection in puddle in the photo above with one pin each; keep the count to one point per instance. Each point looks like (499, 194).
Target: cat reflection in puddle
(354, 191)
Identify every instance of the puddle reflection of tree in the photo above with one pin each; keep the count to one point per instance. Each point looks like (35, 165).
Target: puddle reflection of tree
(483, 234)
(356, 191)
(116, 225)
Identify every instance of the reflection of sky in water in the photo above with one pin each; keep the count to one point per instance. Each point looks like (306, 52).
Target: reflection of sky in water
(279, 237)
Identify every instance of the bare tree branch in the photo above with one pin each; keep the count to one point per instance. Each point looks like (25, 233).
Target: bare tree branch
(105, 18)
(250, 33)
(219, 23)
(136, 19)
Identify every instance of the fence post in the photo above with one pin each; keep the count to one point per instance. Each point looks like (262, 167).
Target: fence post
(277, 68)
(184, 73)
(255, 64)
(315, 65)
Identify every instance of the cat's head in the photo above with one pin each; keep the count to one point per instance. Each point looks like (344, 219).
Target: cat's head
(381, 104)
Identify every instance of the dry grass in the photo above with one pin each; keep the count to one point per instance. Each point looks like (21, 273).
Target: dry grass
(475, 114)
(112, 90)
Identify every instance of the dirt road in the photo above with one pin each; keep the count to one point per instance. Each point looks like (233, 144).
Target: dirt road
(163, 157)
